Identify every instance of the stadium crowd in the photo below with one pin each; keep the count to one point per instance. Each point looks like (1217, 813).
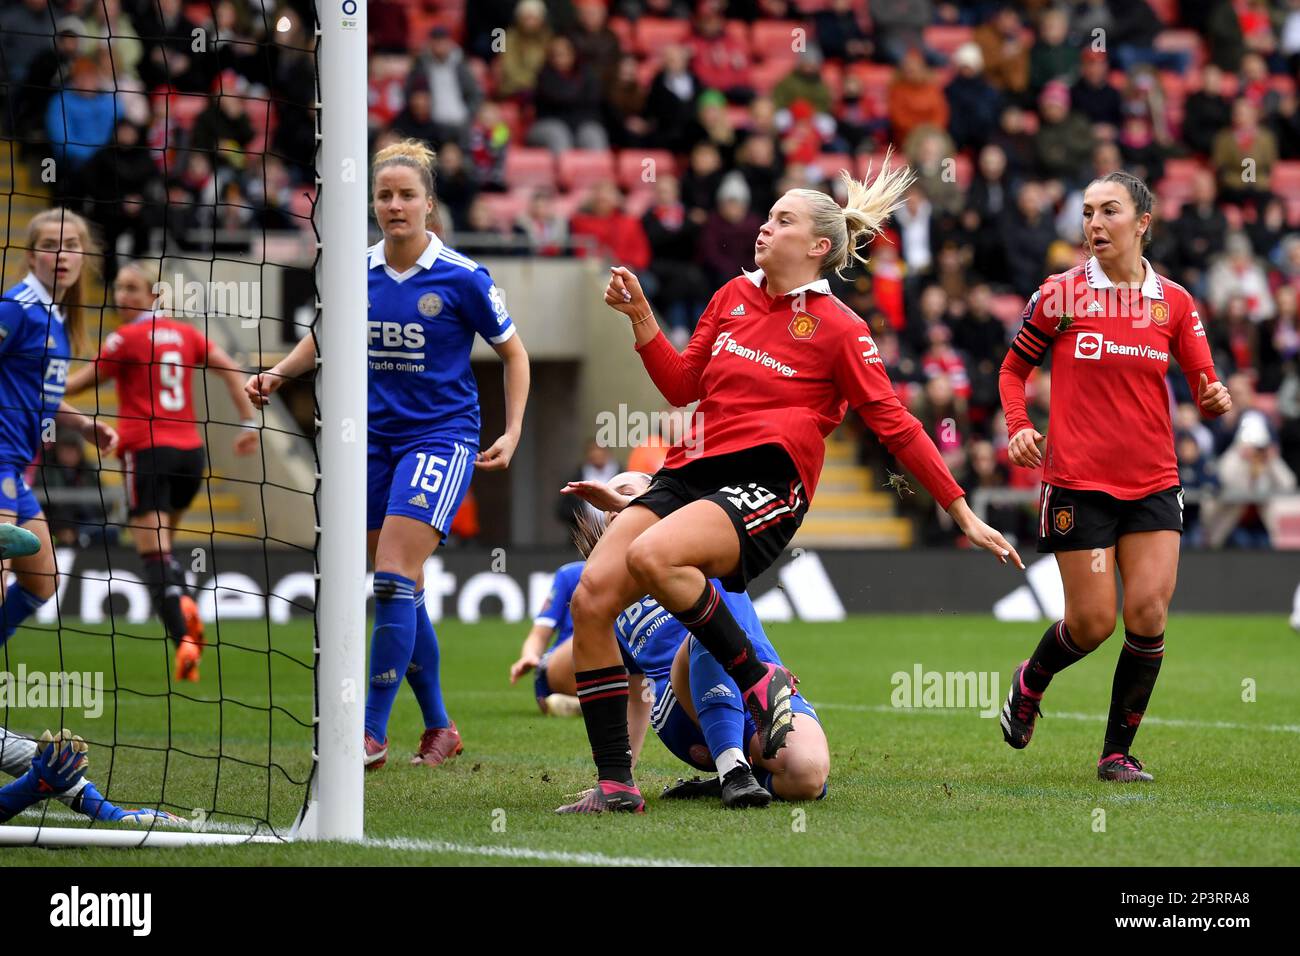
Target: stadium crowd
(658, 132)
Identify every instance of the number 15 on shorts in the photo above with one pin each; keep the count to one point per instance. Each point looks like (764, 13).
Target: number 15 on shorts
(429, 470)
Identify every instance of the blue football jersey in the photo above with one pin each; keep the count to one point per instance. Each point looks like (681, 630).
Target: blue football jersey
(34, 353)
(421, 328)
(650, 636)
(555, 611)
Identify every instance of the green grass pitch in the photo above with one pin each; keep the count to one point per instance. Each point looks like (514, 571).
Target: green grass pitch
(922, 786)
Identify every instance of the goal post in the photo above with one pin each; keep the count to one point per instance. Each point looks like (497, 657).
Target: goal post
(342, 224)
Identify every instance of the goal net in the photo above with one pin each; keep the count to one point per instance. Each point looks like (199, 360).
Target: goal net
(187, 136)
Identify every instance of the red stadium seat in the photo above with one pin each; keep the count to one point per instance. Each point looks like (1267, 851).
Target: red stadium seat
(830, 164)
(1183, 171)
(738, 116)
(390, 65)
(584, 167)
(1283, 85)
(965, 170)
(506, 207)
(775, 39)
(1293, 211)
(654, 33)
(1166, 10)
(945, 39)
(638, 201)
(833, 74)
(529, 166)
(1008, 308)
(632, 166)
(1188, 40)
(512, 114)
(765, 74)
(876, 162)
(622, 28)
(1286, 179)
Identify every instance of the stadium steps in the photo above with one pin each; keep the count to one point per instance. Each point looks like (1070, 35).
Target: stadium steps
(852, 509)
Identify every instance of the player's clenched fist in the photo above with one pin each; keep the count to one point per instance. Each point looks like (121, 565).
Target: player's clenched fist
(1026, 448)
(260, 387)
(624, 293)
(1213, 397)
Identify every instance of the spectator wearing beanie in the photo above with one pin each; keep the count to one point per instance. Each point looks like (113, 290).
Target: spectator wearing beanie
(973, 103)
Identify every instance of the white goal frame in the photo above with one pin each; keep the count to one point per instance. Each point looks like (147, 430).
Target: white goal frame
(334, 808)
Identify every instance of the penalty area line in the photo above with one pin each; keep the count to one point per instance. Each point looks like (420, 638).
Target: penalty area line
(519, 853)
(1060, 715)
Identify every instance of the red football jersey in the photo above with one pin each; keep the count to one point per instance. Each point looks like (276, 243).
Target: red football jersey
(153, 360)
(783, 371)
(1109, 427)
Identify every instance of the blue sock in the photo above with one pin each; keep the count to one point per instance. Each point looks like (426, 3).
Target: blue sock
(20, 604)
(423, 674)
(717, 703)
(390, 647)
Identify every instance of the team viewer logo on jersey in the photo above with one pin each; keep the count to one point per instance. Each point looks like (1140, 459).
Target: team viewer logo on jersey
(1088, 345)
(430, 304)
(1063, 519)
(803, 325)
(1159, 313)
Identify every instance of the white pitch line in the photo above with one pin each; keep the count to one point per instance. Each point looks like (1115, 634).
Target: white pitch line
(430, 846)
(520, 853)
(1061, 715)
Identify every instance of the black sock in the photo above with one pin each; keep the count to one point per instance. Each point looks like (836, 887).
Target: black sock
(713, 625)
(176, 574)
(166, 598)
(1054, 653)
(1135, 678)
(603, 696)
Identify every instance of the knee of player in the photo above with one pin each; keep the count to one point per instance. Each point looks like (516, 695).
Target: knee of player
(589, 604)
(1146, 617)
(645, 563)
(1091, 628)
(806, 776)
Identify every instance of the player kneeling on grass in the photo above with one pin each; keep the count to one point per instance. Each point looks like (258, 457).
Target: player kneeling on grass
(56, 767)
(695, 708)
(548, 648)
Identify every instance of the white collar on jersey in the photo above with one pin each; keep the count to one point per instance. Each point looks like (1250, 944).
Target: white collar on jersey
(426, 260)
(43, 294)
(817, 285)
(1152, 287)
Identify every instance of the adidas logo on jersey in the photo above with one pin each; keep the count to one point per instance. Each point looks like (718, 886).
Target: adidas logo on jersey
(387, 677)
(739, 310)
(419, 501)
(717, 690)
(1094, 307)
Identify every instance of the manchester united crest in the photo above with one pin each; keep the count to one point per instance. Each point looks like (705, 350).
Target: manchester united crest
(1159, 313)
(803, 325)
(1063, 519)
(430, 304)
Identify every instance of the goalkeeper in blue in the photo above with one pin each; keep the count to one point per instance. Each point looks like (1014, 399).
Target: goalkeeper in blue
(693, 706)
(427, 305)
(55, 768)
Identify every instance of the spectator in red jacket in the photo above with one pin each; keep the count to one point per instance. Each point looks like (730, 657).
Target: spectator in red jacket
(618, 235)
(721, 61)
